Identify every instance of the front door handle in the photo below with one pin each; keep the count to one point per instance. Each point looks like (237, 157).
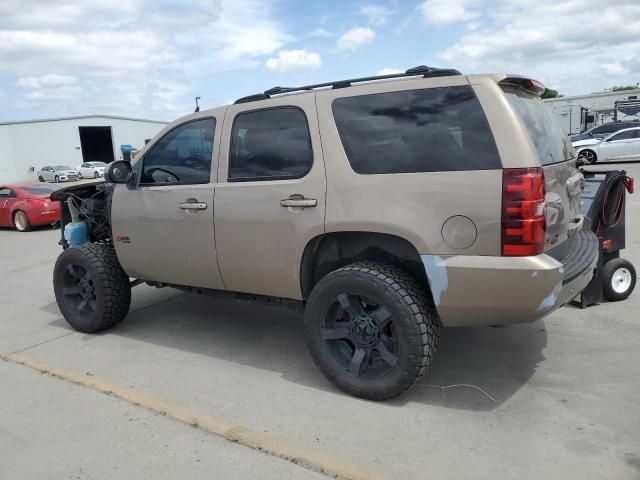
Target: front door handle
(299, 202)
(192, 205)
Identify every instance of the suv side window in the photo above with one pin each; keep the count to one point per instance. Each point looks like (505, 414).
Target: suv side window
(7, 193)
(428, 130)
(271, 144)
(182, 156)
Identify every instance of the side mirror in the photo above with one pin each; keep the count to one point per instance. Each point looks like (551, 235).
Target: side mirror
(119, 172)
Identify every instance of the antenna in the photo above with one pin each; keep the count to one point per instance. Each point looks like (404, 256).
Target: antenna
(197, 106)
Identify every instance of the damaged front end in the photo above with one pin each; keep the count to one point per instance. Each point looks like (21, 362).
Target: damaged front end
(85, 213)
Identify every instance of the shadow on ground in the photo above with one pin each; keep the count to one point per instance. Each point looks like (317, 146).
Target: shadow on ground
(497, 360)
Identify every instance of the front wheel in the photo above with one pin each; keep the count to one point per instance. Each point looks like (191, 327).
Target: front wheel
(371, 329)
(91, 289)
(589, 156)
(96, 175)
(56, 179)
(619, 277)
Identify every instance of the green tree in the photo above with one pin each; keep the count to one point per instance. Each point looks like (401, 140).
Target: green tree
(550, 93)
(622, 88)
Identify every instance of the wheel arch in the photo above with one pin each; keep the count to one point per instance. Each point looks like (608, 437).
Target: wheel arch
(330, 251)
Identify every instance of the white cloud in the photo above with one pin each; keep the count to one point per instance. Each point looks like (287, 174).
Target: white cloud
(546, 45)
(49, 80)
(376, 14)
(388, 71)
(294, 60)
(445, 12)
(115, 50)
(320, 32)
(354, 39)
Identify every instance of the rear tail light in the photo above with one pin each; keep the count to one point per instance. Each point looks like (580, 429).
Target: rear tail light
(523, 212)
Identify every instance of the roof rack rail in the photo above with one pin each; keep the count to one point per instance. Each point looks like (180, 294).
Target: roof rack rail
(421, 70)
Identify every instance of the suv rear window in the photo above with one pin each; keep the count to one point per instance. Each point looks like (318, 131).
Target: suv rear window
(427, 130)
(552, 144)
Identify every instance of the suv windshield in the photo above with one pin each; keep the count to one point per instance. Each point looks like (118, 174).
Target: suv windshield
(551, 143)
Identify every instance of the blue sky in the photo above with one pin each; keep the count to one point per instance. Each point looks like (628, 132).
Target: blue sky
(149, 59)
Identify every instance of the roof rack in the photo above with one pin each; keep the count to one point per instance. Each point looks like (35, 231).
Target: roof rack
(421, 70)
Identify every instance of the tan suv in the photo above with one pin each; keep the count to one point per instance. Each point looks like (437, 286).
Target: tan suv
(386, 206)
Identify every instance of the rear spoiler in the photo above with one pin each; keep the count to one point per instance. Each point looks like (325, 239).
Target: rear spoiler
(528, 84)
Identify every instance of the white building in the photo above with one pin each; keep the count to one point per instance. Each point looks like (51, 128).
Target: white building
(27, 146)
(580, 112)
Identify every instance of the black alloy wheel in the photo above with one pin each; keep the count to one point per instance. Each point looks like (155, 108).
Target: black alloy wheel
(360, 336)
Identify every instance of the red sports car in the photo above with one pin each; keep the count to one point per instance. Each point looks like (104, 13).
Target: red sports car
(27, 205)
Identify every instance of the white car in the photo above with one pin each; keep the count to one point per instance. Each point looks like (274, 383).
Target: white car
(92, 169)
(57, 173)
(620, 145)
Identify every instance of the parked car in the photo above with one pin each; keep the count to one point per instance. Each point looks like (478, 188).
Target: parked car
(621, 145)
(58, 173)
(92, 169)
(385, 209)
(27, 205)
(602, 131)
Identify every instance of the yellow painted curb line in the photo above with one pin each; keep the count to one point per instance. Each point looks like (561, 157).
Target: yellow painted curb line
(233, 433)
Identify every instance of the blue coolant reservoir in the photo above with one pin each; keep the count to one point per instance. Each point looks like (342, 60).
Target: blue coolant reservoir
(76, 233)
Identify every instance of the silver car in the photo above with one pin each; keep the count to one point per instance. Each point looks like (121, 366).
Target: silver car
(58, 173)
(620, 145)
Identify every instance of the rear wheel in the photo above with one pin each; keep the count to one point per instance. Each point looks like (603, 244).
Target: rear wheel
(619, 278)
(40, 179)
(589, 156)
(92, 291)
(371, 329)
(21, 221)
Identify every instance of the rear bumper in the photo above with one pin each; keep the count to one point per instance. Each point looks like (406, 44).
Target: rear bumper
(482, 290)
(51, 216)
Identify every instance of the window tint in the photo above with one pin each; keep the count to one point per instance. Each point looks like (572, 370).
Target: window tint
(41, 189)
(552, 144)
(271, 144)
(609, 128)
(6, 193)
(429, 130)
(182, 156)
(624, 136)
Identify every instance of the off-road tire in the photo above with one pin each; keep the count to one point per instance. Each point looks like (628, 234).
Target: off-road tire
(412, 312)
(111, 286)
(610, 268)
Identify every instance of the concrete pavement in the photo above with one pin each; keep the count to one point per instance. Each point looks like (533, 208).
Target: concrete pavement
(566, 388)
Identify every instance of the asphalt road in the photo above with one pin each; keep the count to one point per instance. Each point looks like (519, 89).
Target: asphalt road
(195, 382)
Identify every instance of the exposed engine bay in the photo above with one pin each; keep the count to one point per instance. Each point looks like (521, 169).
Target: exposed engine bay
(86, 208)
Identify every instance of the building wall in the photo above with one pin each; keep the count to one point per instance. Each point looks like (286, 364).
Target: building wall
(26, 147)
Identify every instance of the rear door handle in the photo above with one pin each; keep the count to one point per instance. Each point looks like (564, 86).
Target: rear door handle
(192, 205)
(299, 202)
